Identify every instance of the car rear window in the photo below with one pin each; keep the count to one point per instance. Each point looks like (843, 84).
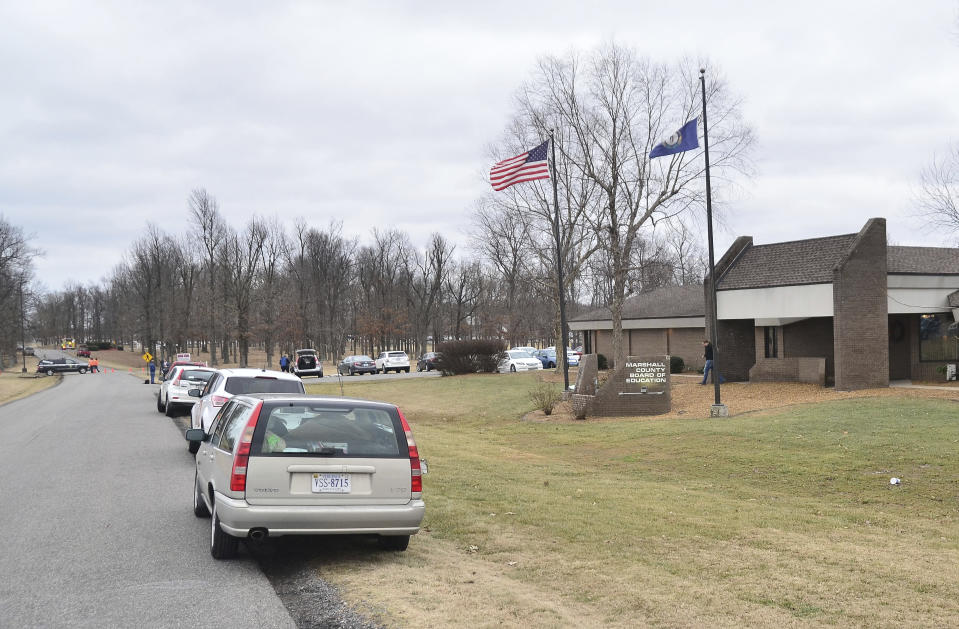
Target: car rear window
(195, 375)
(240, 385)
(328, 430)
(397, 354)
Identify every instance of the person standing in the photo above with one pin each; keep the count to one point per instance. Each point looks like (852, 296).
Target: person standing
(94, 364)
(284, 363)
(708, 355)
(153, 371)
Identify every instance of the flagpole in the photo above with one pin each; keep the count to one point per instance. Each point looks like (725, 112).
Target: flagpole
(560, 350)
(714, 331)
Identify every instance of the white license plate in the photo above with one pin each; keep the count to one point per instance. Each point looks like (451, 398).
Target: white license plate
(331, 483)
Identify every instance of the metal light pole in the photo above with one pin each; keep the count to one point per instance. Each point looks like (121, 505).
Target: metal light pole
(714, 309)
(23, 341)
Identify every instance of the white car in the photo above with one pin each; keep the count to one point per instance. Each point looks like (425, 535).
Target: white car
(525, 348)
(174, 390)
(226, 383)
(392, 361)
(517, 360)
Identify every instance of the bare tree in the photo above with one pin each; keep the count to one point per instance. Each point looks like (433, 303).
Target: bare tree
(242, 256)
(426, 276)
(938, 194)
(205, 216)
(616, 107)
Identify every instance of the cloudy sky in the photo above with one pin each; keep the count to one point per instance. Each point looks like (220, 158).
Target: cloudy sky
(381, 114)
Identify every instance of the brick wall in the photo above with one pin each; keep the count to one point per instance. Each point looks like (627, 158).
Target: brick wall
(736, 348)
(647, 342)
(687, 343)
(609, 401)
(797, 369)
(811, 338)
(860, 313)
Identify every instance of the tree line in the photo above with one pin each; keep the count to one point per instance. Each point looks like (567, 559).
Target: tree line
(627, 224)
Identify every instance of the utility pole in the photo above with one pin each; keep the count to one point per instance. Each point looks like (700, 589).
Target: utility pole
(23, 342)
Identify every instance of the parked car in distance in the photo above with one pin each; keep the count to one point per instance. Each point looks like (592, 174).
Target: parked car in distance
(275, 465)
(83, 351)
(307, 363)
(51, 366)
(26, 351)
(549, 359)
(393, 361)
(352, 365)
(428, 361)
(525, 348)
(175, 388)
(515, 360)
(226, 383)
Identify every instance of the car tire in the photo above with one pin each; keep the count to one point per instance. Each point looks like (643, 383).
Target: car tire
(194, 446)
(512, 368)
(168, 409)
(352, 373)
(222, 544)
(82, 370)
(551, 366)
(407, 370)
(199, 507)
(160, 407)
(50, 372)
(394, 542)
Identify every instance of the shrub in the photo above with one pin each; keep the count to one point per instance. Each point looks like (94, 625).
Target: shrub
(676, 364)
(469, 356)
(545, 396)
(601, 363)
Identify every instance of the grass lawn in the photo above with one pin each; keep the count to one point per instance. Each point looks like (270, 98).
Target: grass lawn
(14, 387)
(778, 518)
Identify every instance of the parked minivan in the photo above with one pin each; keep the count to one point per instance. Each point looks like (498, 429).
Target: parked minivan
(281, 464)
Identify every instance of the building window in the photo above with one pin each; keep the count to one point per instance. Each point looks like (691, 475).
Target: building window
(772, 342)
(938, 337)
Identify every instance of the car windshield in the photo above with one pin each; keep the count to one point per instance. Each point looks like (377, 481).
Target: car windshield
(327, 430)
(520, 355)
(238, 385)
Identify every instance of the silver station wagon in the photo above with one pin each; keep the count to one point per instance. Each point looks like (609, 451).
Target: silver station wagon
(282, 464)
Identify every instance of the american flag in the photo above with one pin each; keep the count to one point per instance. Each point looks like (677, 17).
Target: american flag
(528, 166)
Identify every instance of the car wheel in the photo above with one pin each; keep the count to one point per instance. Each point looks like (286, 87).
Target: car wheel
(50, 372)
(551, 366)
(82, 370)
(222, 545)
(394, 542)
(512, 368)
(169, 409)
(199, 507)
(407, 370)
(160, 405)
(352, 373)
(194, 446)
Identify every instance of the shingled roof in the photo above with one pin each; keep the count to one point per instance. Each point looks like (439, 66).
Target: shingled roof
(922, 260)
(660, 303)
(787, 263)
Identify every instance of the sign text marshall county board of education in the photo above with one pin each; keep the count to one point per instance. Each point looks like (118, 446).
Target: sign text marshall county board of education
(648, 373)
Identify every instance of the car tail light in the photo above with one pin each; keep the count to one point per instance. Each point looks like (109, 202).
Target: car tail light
(242, 456)
(416, 472)
(219, 400)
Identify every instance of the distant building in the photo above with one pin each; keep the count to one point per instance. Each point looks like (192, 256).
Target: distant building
(847, 310)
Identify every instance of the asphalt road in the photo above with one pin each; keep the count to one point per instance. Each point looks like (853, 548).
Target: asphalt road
(97, 524)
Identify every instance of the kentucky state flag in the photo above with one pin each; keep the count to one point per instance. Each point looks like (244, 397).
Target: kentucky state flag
(685, 139)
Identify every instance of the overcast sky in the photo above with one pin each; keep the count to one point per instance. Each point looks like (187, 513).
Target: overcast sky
(380, 114)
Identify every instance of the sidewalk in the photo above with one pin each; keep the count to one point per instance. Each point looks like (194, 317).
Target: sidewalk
(907, 384)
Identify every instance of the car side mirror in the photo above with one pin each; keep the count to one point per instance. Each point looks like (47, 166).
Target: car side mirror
(195, 434)
(194, 393)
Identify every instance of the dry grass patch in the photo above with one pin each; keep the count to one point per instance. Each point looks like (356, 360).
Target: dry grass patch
(13, 386)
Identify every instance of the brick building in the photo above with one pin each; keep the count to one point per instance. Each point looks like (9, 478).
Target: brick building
(848, 310)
